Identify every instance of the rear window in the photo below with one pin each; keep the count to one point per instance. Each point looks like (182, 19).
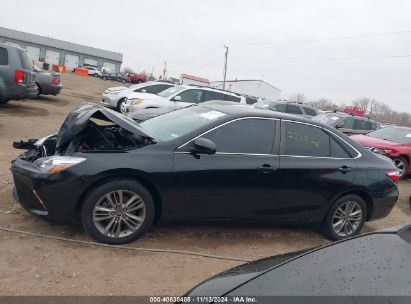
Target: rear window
(310, 111)
(26, 62)
(232, 98)
(292, 109)
(328, 119)
(4, 58)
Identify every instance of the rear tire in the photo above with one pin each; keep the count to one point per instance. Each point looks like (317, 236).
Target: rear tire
(95, 75)
(123, 81)
(401, 164)
(104, 78)
(113, 218)
(345, 218)
(38, 91)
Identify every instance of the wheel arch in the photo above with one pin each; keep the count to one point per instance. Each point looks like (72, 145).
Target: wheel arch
(359, 192)
(130, 174)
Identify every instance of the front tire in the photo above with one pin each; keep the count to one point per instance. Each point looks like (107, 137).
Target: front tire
(345, 218)
(95, 75)
(118, 211)
(123, 81)
(104, 78)
(402, 165)
(120, 102)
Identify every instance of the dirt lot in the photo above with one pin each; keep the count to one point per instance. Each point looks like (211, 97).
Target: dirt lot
(35, 266)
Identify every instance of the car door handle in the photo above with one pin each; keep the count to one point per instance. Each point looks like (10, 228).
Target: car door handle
(344, 169)
(266, 168)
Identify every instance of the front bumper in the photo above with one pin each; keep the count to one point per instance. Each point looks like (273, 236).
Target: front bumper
(50, 196)
(109, 101)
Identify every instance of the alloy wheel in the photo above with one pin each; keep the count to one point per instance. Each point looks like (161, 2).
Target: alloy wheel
(347, 218)
(119, 213)
(400, 165)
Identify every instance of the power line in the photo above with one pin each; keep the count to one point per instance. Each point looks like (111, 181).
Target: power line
(325, 58)
(325, 39)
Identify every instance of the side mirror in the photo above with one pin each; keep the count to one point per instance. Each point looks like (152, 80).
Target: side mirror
(204, 146)
(177, 98)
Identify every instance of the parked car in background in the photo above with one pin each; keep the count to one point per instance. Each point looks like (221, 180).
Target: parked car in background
(17, 78)
(212, 162)
(364, 269)
(288, 107)
(137, 78)
(391, 141)
(47, 83)
(114, 97)
(116, 77)
(348, 123)
(178, 96)
(93, 71)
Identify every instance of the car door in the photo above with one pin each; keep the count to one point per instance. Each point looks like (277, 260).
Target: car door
(237, 181)
(315, 166)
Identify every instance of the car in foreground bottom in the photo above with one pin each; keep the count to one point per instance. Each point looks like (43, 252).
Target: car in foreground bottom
(202, 162)
(370, 265)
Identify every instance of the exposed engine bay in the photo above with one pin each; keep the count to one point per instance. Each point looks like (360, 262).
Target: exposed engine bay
(86, 130)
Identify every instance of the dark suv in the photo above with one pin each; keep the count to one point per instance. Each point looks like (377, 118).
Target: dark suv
(17, 79)
(347, 123)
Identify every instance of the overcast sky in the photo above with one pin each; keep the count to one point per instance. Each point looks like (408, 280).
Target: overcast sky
(272, 40)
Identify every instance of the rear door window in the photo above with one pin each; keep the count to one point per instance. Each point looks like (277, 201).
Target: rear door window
(336, 150)
(305, 140)
(230, 137)
(4, 58)
(231, 98)
(211, 95)
(293, 109)
(194, 96)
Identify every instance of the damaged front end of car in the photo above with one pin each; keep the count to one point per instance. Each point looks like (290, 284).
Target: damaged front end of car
(48, 168)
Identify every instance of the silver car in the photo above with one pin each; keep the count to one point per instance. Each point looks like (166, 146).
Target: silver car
(114, 97)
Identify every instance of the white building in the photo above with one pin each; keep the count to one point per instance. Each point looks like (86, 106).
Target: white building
(256, 88)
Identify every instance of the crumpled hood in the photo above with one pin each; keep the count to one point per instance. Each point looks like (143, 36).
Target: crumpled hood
(78, 119)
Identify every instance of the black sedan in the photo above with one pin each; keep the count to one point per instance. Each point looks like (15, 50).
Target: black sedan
(372, 268)
(202, 162)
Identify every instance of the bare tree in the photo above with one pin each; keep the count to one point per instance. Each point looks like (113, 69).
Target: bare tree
(127, 70)
(325, 104)
(298, 97)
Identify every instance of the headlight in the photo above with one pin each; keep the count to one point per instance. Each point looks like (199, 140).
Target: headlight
(55, 164)
(135, 102)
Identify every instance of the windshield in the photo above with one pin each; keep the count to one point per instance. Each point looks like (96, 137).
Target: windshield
(395, 134)
(327, 119)
(171, 91)
(178, 123)
(264, 104)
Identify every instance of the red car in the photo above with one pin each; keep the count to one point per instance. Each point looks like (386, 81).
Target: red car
(136, 78)
(393, 142)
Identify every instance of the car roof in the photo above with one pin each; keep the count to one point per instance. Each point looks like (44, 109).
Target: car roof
(190, 86)
(243, 110)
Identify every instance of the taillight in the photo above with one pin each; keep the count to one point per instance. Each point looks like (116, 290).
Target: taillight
(56, 80)
(394, 175)
(19, 76)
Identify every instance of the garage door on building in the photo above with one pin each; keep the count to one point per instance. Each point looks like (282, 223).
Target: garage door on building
(110, 66)
(71, 61)
(52, 57)
(12, 43)
(33, 52)
(89, 61)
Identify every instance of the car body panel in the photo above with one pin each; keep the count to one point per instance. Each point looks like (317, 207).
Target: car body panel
(44, 81)
(375, 264)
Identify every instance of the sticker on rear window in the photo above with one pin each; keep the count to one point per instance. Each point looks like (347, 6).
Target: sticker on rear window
(334, 117)
(212, 115)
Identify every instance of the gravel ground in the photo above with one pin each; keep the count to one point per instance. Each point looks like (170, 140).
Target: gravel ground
(36, 266)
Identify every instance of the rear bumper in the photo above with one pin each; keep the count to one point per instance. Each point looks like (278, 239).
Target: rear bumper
(50, 196)
(382, 206)
(51, 89)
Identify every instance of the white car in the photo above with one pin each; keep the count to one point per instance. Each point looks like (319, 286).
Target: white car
(114, 97)
(177, 97)
(92, 71)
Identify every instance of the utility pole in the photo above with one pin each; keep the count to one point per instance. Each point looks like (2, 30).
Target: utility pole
(225, 65)
(165, 70)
